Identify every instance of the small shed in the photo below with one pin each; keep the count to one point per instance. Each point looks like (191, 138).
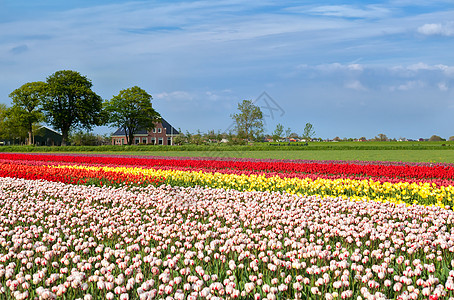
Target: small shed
(45, 136)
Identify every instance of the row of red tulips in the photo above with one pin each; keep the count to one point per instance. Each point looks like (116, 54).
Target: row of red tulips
(354, 170)
(436, 181)
(75, 176)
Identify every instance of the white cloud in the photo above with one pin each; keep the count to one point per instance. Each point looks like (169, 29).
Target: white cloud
(446, 29)
(414, 3)
(448, 70)
(355, 67)
(334, 67)
(175, 95)
(443, 86)
(195, 96)
(420, 66)
(409, 85)
(355, 85)
(349, 11)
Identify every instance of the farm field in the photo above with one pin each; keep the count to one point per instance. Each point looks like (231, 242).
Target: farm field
(368, 151)
(445, 156)
(84, 226)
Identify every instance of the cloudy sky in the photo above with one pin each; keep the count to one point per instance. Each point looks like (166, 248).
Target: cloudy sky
(351, 68)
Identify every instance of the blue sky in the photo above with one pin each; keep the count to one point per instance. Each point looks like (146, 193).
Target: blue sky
(351, 68)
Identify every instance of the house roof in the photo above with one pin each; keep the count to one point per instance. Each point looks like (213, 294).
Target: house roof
(170, 130)
(121, 132)
(50, 129)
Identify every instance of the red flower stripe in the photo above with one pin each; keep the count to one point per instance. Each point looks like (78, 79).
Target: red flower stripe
(438, 182)
(354, 170)
(75, 176)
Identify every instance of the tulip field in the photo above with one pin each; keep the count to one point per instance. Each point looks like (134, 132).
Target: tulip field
(134, 227)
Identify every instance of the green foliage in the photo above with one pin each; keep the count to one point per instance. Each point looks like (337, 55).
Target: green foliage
(308, 132)
(235, 141)
(278, 132)
(381, 138)
(10, 129)
(26, 109)
(132, 111)
(3, 128)
(249, 120)
(213, 136)
(70, 103)
(436, 138)
(88, 139)
(15, 129)
(179, 139)
(197, 139)
(288, 132)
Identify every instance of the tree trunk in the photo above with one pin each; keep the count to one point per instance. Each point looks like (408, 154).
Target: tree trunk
(64, 137)
(30, 137)
(130, 134)
(130, 139)
(30, 134)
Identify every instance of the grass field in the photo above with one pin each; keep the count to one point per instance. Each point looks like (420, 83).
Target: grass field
(368, 155)
(367, 151)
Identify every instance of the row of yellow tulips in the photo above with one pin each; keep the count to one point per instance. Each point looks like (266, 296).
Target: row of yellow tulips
(402, 192)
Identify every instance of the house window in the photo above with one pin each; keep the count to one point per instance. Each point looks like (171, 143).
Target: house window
(154, 130)
(144, 140)
(153, 141)
(160, 141)
(159, 130)
(137, 141)
(122, 141)
(169, 141)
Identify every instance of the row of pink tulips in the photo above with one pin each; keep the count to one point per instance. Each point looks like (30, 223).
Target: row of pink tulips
(69, 241)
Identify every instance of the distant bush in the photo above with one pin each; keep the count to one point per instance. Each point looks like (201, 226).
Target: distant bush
(436, 138)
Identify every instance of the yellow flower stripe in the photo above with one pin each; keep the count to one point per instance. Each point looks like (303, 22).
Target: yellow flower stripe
(402, 192)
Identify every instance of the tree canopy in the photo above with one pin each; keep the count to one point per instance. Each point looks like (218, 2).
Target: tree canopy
(249, 120)
(70, 103)
(26, 109)
(308, 132)
(132, 111)
(381, 137)
(278, 132)
(436, 138)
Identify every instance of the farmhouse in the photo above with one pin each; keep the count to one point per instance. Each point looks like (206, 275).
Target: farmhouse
(162, 134)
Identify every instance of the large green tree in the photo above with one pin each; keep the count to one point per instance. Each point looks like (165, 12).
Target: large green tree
(70, 103)
(132, 111)
(249, 120)
(27, 102)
